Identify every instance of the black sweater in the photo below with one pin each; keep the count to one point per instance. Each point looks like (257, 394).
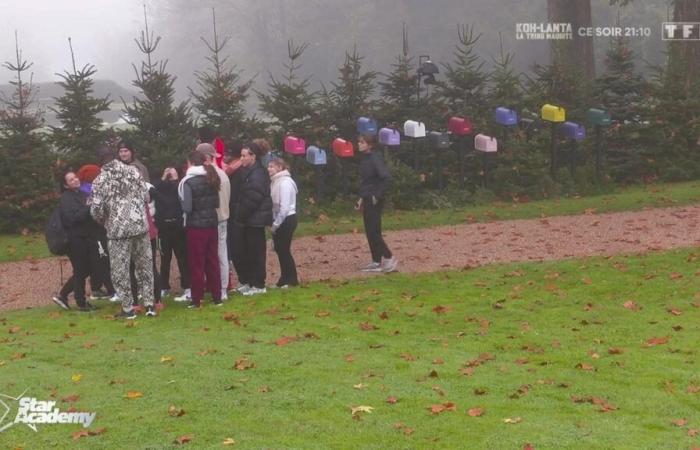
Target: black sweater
(75, 215)
(374, 175)
(168, 207)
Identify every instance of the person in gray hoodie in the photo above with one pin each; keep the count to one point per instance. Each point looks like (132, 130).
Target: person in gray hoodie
(119, 198)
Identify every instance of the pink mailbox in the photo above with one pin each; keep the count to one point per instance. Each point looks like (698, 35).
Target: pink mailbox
(460, 126)
(389, 136)
(342, 148)
(485, 143)
(294, 145)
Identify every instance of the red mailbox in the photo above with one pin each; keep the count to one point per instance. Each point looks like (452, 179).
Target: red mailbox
(460, 126)
(342, 148)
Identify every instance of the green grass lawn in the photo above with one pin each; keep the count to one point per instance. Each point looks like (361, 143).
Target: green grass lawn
(597, 353)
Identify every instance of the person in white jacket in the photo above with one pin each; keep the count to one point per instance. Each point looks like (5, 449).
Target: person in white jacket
(284, 219)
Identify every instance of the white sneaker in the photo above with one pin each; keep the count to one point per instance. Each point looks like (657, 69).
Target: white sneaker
(254, 291)
(389, 265)
(115, 298)
(372, 267)
(164, 293)
(185, 297)
(242, 289)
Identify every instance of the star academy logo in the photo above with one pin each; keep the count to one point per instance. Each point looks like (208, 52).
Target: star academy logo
(6, 403)
(31, 412)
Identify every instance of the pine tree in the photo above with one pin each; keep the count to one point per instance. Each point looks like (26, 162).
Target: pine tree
(289, 103)
(399, 91)
(164, 132)
(79, 133)
(25, 163)
(505, 83)
(350, 97)
(221, 94)
(465, 80)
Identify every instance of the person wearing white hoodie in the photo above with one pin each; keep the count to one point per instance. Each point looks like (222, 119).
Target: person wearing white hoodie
(284, 219)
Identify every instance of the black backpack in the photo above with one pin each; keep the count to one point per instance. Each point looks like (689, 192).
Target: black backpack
(56, 236)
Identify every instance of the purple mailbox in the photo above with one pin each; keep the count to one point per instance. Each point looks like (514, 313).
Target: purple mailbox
(505, 116)
(572, 130)
(294, 145)
(389, 136)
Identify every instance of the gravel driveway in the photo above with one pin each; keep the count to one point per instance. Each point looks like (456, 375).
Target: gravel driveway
(32, 283)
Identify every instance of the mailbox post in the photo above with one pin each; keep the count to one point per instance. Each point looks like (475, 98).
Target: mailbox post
(389, 137)
(553, 114)
(599, 119)
(508, 118)
(487, 145)
(342, 149)
(439, 141)
(574, 132)
(416, 131)
(461, 127)
(317, 158)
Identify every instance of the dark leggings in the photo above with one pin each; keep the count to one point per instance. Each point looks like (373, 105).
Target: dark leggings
(372, 216)
(282, 240)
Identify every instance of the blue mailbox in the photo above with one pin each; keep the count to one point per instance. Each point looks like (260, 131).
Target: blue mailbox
(505, 116)
(572, 130)
(365, 125)
(316, 156)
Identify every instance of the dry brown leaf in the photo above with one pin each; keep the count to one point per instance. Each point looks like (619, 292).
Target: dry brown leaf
(184, 439)
(629, 304)
(476, 412)
(243, 364)
(134, 394)
(366, 326)
(656, 341)
(229, 441)
(679, 422)
(285, 340)
(166, 359)
(392, 400)
(512, 420)
(174, 411)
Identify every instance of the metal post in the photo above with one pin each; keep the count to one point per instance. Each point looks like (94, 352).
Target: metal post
(598, 152)
(553, 150)
(573, 156)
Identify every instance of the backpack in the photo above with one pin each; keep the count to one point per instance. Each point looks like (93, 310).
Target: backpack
(56, 237)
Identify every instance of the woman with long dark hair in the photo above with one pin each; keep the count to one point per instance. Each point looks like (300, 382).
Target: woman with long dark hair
(199, 193)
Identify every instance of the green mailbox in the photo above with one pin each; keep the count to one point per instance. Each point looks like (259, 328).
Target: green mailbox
(598, 117)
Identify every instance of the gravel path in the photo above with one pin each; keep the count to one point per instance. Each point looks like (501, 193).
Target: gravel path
(31, 283)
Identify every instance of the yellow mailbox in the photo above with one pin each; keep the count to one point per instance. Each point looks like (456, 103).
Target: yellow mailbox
(552, 113)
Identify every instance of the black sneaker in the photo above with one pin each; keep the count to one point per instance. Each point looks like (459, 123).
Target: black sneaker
(63, 303)
(218, 302)
(99, 294)
(87, 307)
(150, 311)
(128, 315)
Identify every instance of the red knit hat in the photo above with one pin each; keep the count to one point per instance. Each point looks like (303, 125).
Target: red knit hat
(88, 173)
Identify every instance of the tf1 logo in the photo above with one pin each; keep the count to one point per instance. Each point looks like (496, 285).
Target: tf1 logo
(680, 31)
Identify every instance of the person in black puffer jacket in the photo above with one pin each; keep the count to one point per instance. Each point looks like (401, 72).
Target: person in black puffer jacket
(253, 213)
(82, 233)
(199, 194)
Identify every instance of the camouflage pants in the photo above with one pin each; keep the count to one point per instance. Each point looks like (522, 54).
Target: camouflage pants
(121, 253)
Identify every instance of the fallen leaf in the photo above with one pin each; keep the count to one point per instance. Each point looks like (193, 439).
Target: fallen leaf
(512, 420)
(366, 326)
(183, 439)
(359, 386)
(229, 441)
(675, 312)
(440, 309)
(679, 422)
(692, 432)
(285, 340)
(76, 377)
(243, 364)
(392, 400)
(615, 351)
(584, 366)
(476, 412)
(134, 394)
(442, 407)
(629, 304)
(13, 330)
(165, 359)
(528, 446)
(85, 433)
(174, 411)
(356, 411)
(70, 399)
(322, 314)
(349, 358)
(656, 341)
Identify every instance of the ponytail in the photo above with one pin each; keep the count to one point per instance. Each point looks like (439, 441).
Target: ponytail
(213, 179)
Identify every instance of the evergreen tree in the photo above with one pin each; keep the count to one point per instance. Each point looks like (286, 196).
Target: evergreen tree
(350, 96)
(221, 94)
(505, 83)
(465, 80)
(399, 92)
(25, 164)
(289, 103)
(79, 133)
(164, 131)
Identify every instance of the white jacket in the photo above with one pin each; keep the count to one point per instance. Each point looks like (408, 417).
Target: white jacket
(284, 198)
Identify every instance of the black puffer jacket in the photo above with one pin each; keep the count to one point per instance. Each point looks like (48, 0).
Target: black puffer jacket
(254, 202)
(75, 215)
(374, 175)
(205, 200)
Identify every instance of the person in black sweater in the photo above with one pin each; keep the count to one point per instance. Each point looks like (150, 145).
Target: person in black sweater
(253, 213)
(374, 183)
(171, 231)
(82, 231)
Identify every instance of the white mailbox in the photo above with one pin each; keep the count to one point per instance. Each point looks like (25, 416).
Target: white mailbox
(485, 143)
(414, 129)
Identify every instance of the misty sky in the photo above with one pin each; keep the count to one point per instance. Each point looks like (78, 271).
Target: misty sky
(102, 32)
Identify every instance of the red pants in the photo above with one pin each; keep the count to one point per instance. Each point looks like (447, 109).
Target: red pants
(203, 260)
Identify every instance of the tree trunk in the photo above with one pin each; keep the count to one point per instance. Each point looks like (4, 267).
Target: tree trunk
(578, 52)
(688, 53)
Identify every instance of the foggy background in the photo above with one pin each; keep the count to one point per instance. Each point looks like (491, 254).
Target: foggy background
(103, 33)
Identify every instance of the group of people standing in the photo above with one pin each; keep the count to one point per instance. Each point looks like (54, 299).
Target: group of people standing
(213, 211)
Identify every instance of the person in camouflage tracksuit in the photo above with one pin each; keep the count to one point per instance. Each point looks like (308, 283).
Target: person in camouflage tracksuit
(119, 197)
